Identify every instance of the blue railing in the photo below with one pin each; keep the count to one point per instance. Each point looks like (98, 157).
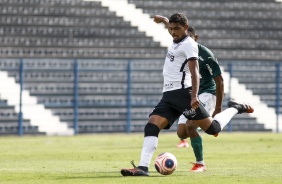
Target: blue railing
(128, 97)
(129, 69)
(277, 94)
(75, 97)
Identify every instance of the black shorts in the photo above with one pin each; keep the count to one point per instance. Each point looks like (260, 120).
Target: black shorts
(174, 103)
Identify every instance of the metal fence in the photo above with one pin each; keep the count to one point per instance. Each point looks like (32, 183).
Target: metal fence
(130, 66)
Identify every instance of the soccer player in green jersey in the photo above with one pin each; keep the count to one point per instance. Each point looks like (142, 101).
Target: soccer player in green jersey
(211, 93)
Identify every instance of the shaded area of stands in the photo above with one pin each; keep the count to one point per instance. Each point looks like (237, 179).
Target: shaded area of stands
(232, 30)
(69, 29)
(79, 29)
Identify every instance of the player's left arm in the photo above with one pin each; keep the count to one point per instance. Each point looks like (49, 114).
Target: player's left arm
(194, 70)
(192, 52)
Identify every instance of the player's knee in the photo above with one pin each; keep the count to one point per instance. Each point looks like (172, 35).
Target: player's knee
(191, 127)
(151, 130)
(214, 128)
(182, 132)
(182, 136)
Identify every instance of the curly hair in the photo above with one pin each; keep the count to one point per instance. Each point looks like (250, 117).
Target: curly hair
(179, 18)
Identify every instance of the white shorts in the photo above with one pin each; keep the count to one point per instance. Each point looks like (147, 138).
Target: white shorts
(208, 100)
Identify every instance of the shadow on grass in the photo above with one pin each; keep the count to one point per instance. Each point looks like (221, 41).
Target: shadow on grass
(112, 174)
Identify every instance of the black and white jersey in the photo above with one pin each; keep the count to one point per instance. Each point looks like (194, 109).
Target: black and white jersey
(175, 71)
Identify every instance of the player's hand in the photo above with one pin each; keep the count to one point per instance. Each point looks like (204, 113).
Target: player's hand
(195, 103)
(158, 19)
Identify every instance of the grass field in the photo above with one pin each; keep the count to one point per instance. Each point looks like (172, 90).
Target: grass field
(250, 158)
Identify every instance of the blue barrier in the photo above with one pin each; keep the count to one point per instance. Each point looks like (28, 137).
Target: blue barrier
(75, 97)
(277, 104)
(128, 99)
(128, 68)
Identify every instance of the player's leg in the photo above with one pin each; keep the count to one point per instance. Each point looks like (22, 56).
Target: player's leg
(196, 143)
(151, 133)
(209, 101)
(185, 130)
(214, 125)
(210, 126)
(195, 138)
(162, 117)
(150, 143)
(182, 132)
(221, 119)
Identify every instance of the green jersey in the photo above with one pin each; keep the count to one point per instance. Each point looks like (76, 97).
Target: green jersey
(209, 69)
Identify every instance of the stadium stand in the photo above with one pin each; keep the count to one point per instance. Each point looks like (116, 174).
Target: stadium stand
(9, 121)
(232, 30)
(50, 33)
(69, 29)
(102, 92)
(258, 76)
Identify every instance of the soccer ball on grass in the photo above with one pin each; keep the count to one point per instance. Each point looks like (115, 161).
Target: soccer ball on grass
(165, 163)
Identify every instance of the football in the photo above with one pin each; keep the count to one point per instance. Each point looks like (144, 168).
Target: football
(165, 163)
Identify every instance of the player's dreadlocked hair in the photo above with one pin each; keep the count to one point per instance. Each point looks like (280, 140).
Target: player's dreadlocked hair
(179, 18)
(192, 30)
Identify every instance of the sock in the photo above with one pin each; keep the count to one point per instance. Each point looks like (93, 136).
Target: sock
(200, 162)
(149, 146)
(197, 146)
(225, 116)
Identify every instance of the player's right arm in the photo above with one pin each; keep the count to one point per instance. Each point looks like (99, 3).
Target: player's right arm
(194, 70)
(162, 19)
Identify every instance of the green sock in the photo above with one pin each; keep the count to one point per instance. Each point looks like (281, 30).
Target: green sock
(197, 146)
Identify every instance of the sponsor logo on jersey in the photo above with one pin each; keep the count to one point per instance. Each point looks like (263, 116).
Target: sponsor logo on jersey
(168, 85)
(209, 68)
(170, 56)
(200, 58)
